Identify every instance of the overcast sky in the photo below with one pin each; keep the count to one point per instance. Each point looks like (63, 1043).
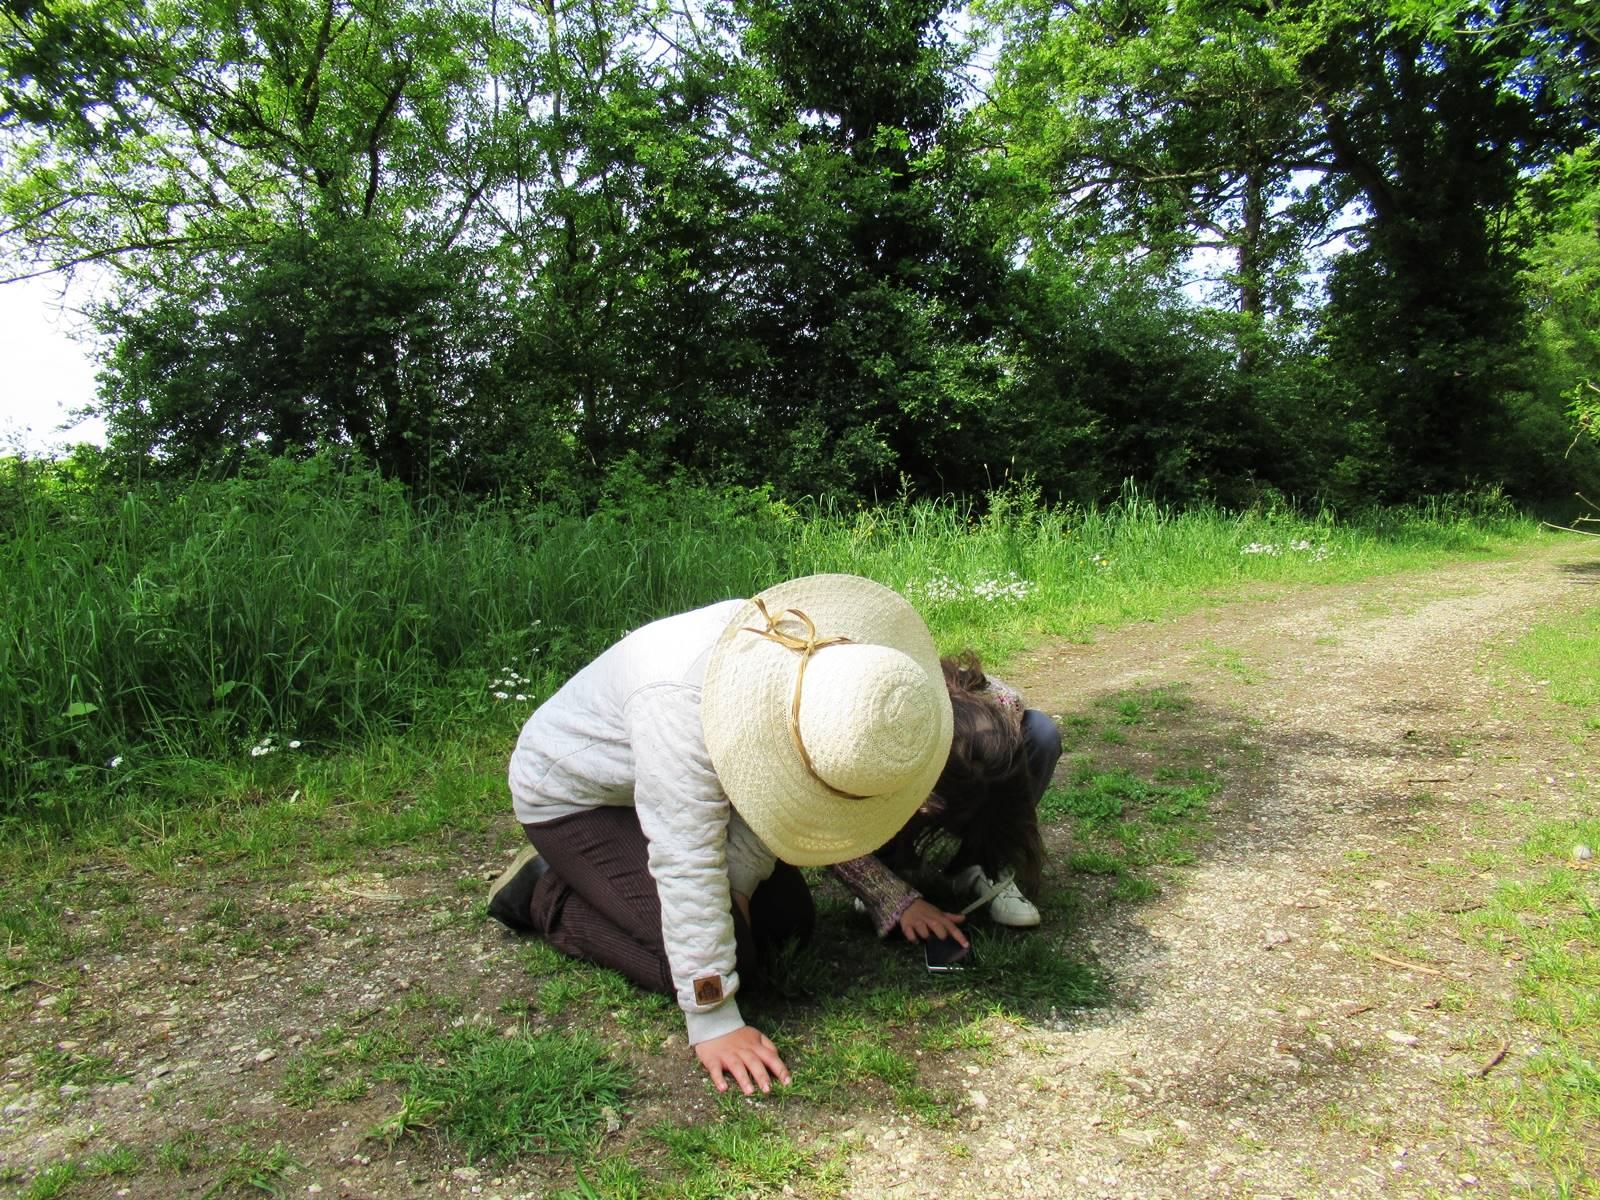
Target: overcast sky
(44, 373)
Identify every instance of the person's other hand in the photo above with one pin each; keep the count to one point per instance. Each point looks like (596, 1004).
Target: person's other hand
(923, 920)
(748, 1055)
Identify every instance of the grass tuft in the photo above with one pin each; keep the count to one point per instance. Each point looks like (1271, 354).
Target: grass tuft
(742, 1154)
(498, 1097)
(252, 1170)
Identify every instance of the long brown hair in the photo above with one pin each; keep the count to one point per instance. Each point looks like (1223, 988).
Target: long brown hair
(983, 796)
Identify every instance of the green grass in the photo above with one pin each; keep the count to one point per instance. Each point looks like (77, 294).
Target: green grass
(741, 1153)
(495, 1097)
(251, 1170)
(54, 1067)
(1553, 1103)
(1124, 824)
(243, 1170)
(1547, 911)
(744, 1153)
(187, 1151)
(53, 1181)
(847, 1049)
(1563, 654)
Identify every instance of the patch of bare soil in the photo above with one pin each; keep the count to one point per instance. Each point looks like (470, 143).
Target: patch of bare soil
(1295, 1016)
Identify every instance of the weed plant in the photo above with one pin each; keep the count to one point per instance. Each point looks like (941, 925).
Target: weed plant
(152, 633)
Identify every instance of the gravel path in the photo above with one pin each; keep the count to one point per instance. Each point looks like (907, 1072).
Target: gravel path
(1262, 1047)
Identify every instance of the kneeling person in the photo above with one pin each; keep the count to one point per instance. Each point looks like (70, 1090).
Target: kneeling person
(674, 785)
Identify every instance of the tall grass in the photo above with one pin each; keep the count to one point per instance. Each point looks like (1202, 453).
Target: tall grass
(309, 603)
(317, 603)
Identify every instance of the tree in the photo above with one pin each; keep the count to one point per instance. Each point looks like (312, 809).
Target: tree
(147, 136)
(288, 193)
(1394, 134)
(882, 268)
(1429, 137)
(1562, 284)
(336, 337)
(1156, 133)
(628, 226)
(1154, 147)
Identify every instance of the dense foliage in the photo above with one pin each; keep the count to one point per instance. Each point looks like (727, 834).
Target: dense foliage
(1341, 248)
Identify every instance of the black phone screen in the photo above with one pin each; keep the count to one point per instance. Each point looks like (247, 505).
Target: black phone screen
(946, 954)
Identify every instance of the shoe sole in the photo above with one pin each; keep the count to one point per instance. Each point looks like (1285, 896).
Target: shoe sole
(524, 856)
(1025, 923)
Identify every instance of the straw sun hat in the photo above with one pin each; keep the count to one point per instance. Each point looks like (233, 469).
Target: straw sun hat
(826, 715)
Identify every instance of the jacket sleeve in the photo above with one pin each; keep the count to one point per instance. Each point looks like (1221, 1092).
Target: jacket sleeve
(749, 861)
(885, 894)
(685, 816)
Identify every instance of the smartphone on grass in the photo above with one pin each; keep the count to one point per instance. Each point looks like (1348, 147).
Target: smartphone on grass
(947, 954)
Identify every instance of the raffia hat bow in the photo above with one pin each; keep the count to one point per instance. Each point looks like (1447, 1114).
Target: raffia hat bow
(826, 715)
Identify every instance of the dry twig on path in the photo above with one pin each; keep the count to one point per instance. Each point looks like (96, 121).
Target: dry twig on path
(1495, 1060)
(1409, 966)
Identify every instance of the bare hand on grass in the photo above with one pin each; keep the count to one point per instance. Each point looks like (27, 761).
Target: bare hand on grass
(746, 1054)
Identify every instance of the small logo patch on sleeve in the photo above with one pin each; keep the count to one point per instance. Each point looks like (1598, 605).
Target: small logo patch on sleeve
(708, 990)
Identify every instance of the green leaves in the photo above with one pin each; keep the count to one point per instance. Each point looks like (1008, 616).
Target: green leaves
(1214, 246)
(170, 132)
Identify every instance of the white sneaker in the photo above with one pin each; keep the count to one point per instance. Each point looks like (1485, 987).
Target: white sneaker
(1007, 904)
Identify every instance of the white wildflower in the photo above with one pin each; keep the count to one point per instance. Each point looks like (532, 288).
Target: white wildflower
(1012, 588)
(502, 696)
(941, 589)
(114, 763)
(294, 745)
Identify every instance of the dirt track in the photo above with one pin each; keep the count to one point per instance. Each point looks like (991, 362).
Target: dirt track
(1261, 1047)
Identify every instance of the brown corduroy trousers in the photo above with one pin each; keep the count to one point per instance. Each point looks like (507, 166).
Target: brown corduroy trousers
(598, 901)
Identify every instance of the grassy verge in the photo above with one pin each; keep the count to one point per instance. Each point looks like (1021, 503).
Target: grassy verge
(1548, 918)
(302, 668)
(156, 638)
